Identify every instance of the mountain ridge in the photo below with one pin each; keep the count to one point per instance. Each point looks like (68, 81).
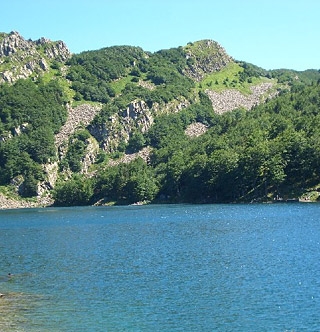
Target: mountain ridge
(28, 56)
(97, 106)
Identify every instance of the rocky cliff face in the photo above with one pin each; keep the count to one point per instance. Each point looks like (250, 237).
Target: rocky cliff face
(77, 116)
(137, 116)
(205, 57)
(120, 125)
(20, 58)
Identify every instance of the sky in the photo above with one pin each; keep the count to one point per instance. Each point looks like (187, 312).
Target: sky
(271, 34)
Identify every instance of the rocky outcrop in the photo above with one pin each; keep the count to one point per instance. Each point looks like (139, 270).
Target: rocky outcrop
(90, 155)
(196, 129)
(137, 116)
(147, 85)
(20, 129)
(6, 135)
(78, 116)
(231, 99)
(205, 57)
(20, 58)
(11, 203)
(173, 106)
(54, 50)
(51, 171)
(137, 113)
(13, 42)
(119, 126)
(127, 158)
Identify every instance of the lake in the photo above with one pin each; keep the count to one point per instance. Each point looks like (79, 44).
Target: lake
(161, 268)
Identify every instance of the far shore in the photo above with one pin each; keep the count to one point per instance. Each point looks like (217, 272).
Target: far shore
(9, 203)
(12, 204)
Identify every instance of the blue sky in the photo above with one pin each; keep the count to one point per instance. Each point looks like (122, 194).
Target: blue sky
(269, 33)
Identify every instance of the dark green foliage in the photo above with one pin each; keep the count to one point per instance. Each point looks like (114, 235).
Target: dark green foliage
(91, 72)
(40, 145)
(36, 104)
(29, 188)
(136, 142)
(76, 191)
(127, 183)
(16, 162)
(245, 155)
(99, 91)
(165, 68)
(76, 150)
(106, 64)
(287, 76)
(199, 112)
(250, 71)
(166, 129)
(293, 77)
(30, 114)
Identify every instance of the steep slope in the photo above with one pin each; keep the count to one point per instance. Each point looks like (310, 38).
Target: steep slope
(20, 58)
(205, 57)
(164, 82)
(231, 99)
(114, 124)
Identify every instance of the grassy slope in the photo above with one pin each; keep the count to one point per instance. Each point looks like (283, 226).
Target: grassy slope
(228, 78)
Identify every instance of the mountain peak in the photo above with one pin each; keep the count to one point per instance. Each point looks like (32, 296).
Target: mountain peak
(13, 42)
(205, 57)
(27, 56)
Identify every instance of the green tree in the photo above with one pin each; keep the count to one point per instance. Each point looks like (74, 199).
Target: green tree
(136, 142)
(76, 191)
(127, 183)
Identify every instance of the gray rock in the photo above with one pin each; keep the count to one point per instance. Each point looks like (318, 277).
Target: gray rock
(205, 57)
(23, 58)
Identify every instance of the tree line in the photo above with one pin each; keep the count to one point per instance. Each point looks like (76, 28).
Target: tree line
(271, 151)
(31, 113)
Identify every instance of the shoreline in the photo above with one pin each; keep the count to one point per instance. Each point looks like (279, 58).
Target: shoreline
(7, 203)
(46, 202)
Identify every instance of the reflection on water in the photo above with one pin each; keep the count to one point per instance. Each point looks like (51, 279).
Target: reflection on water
(16, 309)
(14, 306)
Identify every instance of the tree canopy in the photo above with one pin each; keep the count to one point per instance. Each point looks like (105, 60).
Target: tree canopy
(30, 114)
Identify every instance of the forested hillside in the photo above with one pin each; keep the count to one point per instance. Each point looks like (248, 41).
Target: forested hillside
(188, 124)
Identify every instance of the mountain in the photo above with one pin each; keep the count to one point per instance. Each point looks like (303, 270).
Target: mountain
(24, 58)
(119, 124)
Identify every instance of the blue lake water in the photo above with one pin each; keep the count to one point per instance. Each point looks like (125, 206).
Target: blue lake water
(161, 268)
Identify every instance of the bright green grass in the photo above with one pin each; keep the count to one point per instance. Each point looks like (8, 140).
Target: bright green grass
(120, 84)
(7, 191)
(54, 74)
(10, 192)
(228, 78)
(230, 72)
(201, 49)
(2, 36)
